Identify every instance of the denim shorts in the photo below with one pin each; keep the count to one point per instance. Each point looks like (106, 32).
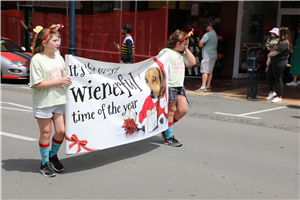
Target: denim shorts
(47, 113)
(174, 92)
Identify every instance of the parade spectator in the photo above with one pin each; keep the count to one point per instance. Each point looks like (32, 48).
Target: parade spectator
(295, 61)
(127, 49)
(208, 43)
(179, 56)
(47, 78)
(279, 60)
(37, 29)
(271, 43)
(29, 30)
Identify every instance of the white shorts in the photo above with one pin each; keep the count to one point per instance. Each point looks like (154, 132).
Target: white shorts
(207, 65)
(47, 113)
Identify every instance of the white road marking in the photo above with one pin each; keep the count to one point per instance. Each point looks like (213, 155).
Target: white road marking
(19, 105)
(16, 109)
(18, 136)
(236, 115)
(261, 111)
(251, 113)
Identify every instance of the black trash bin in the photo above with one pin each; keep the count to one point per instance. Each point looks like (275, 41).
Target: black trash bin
(251, 78)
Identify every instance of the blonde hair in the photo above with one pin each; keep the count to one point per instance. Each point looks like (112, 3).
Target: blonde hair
(285, 35)
(174, 38)
(38, 46)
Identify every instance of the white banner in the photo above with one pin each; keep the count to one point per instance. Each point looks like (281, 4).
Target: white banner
(111, 104)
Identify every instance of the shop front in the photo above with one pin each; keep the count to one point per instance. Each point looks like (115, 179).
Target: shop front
(252, 30)
(243, 25)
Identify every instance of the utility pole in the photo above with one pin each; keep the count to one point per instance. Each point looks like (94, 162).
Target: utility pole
(72, 47)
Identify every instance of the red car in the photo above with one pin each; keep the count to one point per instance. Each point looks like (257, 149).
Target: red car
(15, 61)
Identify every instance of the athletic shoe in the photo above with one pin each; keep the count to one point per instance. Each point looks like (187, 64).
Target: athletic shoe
(47, 170)
(276, 100)
(200, 85)
(201, 90)
(271, 95)
(56, 165)
(298, 82)
(171, 141)
(291, 84)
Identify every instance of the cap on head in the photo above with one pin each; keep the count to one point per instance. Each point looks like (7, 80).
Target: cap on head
(275, 30)
(210, 23)
(37, 29)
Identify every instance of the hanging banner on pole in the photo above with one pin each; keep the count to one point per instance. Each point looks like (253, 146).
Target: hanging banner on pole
(111, 104)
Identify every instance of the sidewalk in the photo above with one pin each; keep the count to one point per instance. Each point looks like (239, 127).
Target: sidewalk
(237, 89)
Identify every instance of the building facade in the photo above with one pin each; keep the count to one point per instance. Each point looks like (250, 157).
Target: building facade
(247, 23)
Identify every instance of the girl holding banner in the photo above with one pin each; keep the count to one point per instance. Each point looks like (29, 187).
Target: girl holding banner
(46, 81)
(179, 56)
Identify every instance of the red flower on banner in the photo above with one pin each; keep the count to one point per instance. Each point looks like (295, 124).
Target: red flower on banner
(129, 126)
(80, 143)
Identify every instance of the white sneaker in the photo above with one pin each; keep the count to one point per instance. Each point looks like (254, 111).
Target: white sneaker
(291, 84)
(298, 82)
(277, 99)
(271, 95)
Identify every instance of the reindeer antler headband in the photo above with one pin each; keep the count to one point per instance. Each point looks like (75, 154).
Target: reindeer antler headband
(187, 36)
(54, 27)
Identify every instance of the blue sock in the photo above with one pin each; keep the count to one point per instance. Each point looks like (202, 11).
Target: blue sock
(169, 131)
(55, 147)
(44, 149)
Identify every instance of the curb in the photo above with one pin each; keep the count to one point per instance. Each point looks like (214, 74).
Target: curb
(230, 94)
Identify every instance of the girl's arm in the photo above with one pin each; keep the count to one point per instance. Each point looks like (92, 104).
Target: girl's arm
(49, 83)
(190, 57)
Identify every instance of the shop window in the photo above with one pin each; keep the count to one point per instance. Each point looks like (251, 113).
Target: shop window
(290, 4)
(258, 19)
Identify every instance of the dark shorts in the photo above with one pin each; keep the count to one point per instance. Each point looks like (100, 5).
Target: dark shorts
(174, 92)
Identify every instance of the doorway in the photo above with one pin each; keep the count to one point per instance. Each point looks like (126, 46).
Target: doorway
(291, 21)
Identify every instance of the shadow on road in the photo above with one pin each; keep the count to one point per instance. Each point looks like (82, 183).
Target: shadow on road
(293, 106)
(87, 161)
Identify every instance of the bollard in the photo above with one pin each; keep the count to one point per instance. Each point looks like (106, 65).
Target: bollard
(251, 78)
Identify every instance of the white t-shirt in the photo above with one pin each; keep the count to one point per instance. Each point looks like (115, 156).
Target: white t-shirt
(42, 68)
(177, 62)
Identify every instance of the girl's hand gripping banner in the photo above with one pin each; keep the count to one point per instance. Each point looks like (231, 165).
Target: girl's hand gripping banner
(111, 104)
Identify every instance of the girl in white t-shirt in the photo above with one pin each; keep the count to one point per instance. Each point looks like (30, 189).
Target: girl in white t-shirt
(179, 56)
(46, 81)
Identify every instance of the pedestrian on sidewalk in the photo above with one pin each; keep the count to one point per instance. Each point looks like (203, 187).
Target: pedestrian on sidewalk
(279, 60)
(179, 56)
(47, 77)
(295, 61)
(209, 44)
(29, 30)
(127, 49)
(37, 29)
(271, 43)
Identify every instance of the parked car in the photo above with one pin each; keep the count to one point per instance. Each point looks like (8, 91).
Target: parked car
(15, 61)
